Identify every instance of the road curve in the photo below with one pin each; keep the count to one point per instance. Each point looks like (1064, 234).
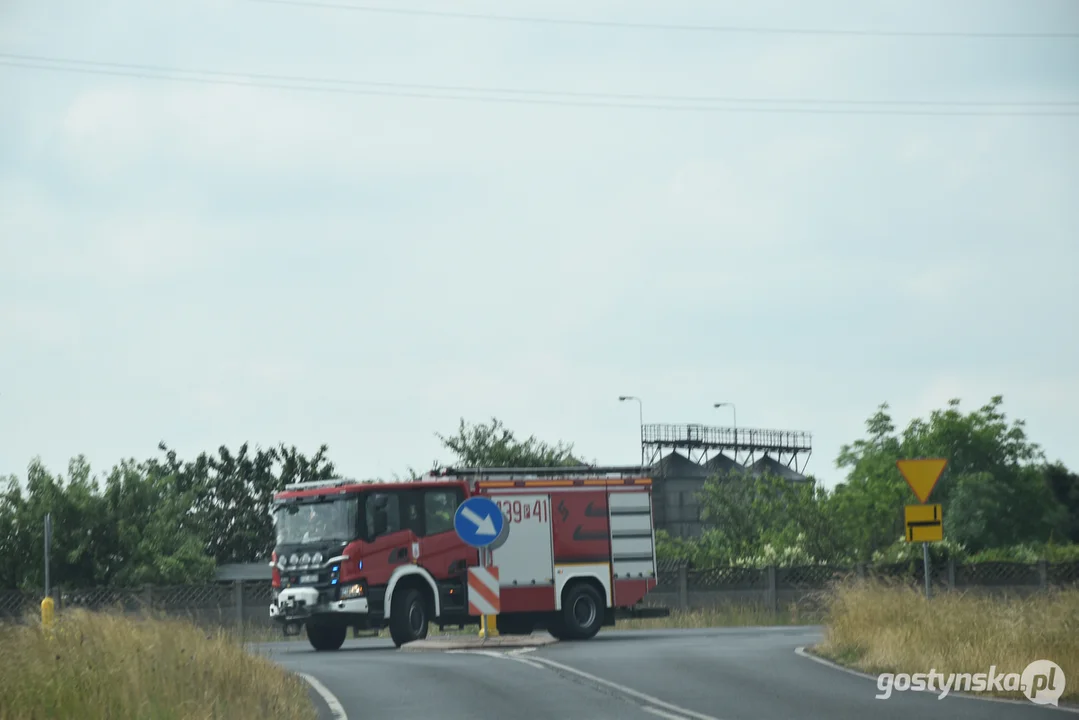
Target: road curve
(714, 674)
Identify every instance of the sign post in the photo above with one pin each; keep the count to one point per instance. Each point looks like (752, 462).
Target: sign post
(925, 568)
(924, 523)
(47, 608)
(479, 522)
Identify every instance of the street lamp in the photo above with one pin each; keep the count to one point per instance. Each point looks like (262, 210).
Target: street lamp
(640, 413)
(735, 411)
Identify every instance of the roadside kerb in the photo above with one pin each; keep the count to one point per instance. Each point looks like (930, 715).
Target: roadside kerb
(466, 642)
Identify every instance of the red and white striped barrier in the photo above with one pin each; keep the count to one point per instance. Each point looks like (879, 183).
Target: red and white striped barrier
(483, 595)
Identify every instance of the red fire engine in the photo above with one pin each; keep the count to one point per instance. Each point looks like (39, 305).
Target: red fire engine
(579, 550)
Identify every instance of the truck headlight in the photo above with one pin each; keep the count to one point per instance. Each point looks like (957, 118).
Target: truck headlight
(349, 592)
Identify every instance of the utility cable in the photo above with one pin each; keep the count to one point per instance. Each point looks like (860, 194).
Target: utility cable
(1067, 108)
(618, 25)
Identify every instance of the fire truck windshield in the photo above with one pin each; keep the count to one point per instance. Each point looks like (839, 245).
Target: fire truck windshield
(313, 522)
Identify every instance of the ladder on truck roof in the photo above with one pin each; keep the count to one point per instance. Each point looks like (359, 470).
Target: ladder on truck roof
(316, 484)
(575, 471)
(620, 472)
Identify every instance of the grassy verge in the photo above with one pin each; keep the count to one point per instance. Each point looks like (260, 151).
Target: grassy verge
(102, 665)
(877, 627)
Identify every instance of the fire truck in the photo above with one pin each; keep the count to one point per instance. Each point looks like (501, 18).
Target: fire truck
(578, 552)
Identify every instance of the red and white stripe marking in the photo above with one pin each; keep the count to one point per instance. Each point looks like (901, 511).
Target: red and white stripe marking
(483, 595)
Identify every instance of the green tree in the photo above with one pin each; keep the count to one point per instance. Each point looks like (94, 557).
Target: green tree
(158, 538)
(747, 514)
(493, 445)
(993, 490)
(231, 494)
(134, 530)
(81, 541)
(864, 508)
(9, 532)
(162, 521)
(1064, 486)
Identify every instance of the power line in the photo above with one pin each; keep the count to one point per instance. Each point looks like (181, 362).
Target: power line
(538, 97)
(306, 80)
(618, 25)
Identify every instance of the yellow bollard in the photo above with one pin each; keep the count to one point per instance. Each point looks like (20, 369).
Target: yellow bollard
(48, 613)
(488, 626)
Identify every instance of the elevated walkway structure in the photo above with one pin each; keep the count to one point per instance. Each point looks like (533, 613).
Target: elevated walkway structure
(700, 443)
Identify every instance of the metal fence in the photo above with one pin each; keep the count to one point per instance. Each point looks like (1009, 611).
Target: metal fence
(224, 603)
(684, 587)
(681, 587)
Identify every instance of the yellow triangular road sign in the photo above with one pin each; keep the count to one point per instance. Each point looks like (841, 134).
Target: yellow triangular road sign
(921, 475)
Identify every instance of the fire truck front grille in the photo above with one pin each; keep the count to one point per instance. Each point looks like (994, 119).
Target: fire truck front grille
(320, 580)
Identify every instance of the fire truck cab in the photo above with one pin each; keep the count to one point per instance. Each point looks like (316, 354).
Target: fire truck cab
(579, 548)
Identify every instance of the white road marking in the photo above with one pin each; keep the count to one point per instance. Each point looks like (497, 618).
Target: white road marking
(683, 713)
(529, 663)
(662, 713)
(671, 711)
(336, 709)
(802, 652)
(488, 653)
(499, 655)
(521, 651)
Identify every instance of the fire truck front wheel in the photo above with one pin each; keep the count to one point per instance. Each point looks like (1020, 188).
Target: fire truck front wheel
(326, 637)
(409, 616)
(581, 616)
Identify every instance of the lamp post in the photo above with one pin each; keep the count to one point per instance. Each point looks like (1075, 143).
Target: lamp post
(735, 411)
(640, 414)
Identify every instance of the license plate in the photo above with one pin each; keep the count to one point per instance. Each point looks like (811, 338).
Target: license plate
(309, 578)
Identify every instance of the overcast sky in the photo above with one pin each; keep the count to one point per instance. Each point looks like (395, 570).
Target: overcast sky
(206, 264)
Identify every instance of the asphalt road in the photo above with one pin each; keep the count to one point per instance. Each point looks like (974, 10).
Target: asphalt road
(720, 674)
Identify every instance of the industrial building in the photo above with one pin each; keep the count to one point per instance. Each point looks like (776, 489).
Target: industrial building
(683, 457)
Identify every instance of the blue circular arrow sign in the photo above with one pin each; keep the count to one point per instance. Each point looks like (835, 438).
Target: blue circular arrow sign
(478, 521)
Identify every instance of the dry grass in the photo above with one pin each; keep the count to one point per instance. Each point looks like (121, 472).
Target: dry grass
(742, 615)
(104, 665)
(877, 627)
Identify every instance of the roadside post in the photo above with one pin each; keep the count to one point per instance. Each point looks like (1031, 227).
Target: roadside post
(924, 523)
(48, 610)
(479, 523)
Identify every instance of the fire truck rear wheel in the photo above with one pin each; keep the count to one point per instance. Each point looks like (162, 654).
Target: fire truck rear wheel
(409, 617)
(326, 637)
(582, 614)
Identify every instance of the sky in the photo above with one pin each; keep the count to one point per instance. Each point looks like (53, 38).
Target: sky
(208, 263)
